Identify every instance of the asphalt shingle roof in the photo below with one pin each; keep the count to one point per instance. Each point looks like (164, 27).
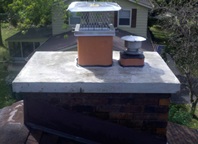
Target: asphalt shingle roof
(58, 42)
(32, 34)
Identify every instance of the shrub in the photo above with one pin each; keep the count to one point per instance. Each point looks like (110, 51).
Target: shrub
(179, 113)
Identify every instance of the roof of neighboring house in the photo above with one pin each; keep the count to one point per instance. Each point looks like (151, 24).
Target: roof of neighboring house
(58, 42)
(33, 34)
(145, 3)
(14, 130)
(179, 134)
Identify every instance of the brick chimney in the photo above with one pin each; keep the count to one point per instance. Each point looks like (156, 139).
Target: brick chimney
(90, 102)
(95, 104)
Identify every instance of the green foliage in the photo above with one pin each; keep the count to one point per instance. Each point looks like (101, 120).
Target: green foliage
(33, 13)
(179, 19)
(4, 5)
(7, 31)
(179, 113)
(5, 89)
(160, 36)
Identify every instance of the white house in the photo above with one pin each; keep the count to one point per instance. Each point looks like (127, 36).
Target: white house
(133, 17)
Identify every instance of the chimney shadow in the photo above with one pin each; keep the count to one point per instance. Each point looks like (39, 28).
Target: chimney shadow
(119, 74)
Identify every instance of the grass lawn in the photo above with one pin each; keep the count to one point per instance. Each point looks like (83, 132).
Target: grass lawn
(5, 89)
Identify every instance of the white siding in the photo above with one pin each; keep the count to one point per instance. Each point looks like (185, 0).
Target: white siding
(58, 21)
(142, 18)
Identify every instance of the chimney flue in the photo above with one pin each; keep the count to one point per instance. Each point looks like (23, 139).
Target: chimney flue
(132, 56)
(95, 32)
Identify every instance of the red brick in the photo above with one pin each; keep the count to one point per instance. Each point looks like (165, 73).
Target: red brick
(120, 116)
(130, 110)
(146, 101)
(163, 116)
(156, 109)
(101, 115)
(137, 108)
(145, 116)
(108, 108)
(164, 102)
(136, 123)
(155, 124)
(161, 131)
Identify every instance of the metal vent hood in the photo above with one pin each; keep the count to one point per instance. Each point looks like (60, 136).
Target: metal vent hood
(133, 43)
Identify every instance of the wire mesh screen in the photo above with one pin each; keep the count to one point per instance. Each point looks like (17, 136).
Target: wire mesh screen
(95, 21)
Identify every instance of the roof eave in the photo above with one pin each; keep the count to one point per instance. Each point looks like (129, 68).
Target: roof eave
(144, 5)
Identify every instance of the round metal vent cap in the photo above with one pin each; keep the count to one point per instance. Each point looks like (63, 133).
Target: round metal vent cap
(132, 38)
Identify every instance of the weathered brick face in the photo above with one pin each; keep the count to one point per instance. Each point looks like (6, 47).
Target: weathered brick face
(143, 112)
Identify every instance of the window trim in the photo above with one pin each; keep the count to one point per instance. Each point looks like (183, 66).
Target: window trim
(118, 21)
(70, 20)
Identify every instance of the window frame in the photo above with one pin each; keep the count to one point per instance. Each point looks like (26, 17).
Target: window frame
(130, 18)
(21, 48)
(70, 15)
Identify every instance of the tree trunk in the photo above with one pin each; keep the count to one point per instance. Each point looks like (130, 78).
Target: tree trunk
(193, 107)
(190, 86)
(193, 95)
(1, 40)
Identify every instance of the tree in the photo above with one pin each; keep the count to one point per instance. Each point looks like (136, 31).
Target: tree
(1, 40)
(31, 13)
(26, 13)
(3, 15)
(182, 26)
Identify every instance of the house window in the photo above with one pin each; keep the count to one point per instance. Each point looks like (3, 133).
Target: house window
(124, 18)
(74, 18)
(15, 49)
(28, 48)
(22, 49)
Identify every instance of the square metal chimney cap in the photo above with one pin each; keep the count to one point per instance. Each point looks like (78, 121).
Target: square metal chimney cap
(93, 6)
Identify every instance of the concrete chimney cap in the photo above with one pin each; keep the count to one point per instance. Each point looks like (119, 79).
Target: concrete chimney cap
(132, 38)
